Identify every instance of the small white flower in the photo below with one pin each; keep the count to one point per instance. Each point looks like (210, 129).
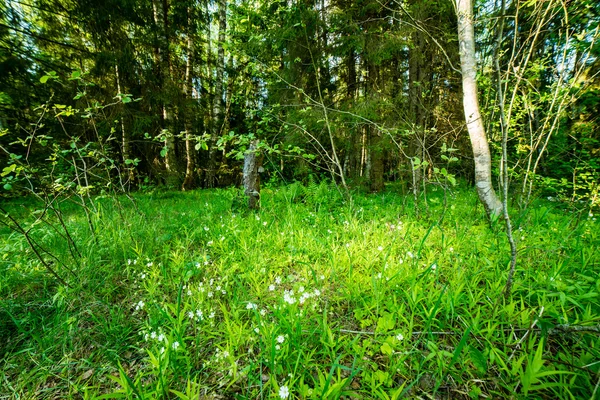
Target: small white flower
(271, 288)
(288, 297)
(153, 335)
(322, 277)
(277, 347)
(162, 350)
(263, 312)
(399, 337)
(256, 330)
(199, 315)
(191, 315)
(317, 292)
(284, 392)
(161, 337)
(380, 248)
(211, 315)
(139, 305)
(451, 249)
(434, 267)
(410, 254)
(129, 261)
(209, 243)
(265, 223)
(150, 264)
(280, 339)
(251, 306)
(258, 218)
(400, 261)
(206, 228)
(210, 294)
(225, 354)
(278, 280)
(175, 345)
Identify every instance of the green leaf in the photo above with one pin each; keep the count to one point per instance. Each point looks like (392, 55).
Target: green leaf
(75, 74)
(8, 170)
(478, 359)
(387, 349)
(44, 79)
(163, 152)
(7, 186)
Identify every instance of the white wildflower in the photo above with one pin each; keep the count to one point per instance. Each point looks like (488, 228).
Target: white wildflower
(280, 339)
(284, 392)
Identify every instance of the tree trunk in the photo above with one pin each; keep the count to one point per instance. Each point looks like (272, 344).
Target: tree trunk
(171, 161)
(190, 178)
(125, 139)
(252, 163)
(218, 97)
(481, 149)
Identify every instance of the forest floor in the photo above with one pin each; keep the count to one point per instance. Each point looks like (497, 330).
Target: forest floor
(185, 295)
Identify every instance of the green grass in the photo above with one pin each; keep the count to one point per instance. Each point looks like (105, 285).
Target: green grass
(185, 296)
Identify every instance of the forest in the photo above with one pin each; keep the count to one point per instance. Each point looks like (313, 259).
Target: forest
(303, 199)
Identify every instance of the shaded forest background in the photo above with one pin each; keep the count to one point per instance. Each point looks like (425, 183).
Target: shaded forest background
(360, 92)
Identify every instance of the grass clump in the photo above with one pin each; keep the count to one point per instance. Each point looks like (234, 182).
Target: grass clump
(183, 296)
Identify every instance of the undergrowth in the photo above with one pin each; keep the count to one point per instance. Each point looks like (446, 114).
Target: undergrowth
(187, 295)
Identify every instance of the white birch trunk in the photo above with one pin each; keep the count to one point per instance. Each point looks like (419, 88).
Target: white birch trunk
(481, 149)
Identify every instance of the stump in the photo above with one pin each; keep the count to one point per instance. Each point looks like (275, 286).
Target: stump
(252, 165)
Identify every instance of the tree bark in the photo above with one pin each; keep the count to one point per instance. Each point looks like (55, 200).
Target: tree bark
(190, 178)
(481, 149)
(252, 163)
(125, 139)
(218, 97)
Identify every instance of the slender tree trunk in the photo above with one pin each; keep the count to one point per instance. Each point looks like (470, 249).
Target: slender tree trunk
(481, 149)
(125, 139)
(189, 182)
(171, 161)
(218, 96)
(375, 170)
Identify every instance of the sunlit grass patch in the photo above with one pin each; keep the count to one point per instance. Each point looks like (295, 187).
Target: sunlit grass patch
(312, 297)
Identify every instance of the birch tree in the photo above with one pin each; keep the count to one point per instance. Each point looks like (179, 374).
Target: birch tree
(477, 136)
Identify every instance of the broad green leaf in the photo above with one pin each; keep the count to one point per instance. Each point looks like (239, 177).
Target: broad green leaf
(8, 170)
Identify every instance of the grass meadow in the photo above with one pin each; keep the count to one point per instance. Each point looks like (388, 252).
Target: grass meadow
(187, 296)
